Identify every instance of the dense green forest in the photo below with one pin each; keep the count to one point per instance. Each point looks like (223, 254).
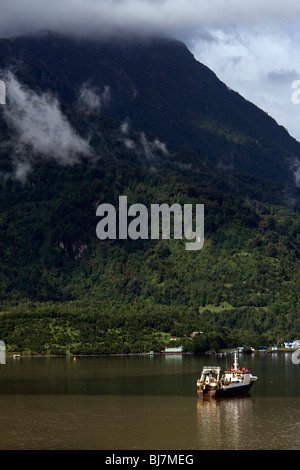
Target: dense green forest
(65, 291)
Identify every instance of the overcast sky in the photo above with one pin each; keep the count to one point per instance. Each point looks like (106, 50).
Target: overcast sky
(252, 45)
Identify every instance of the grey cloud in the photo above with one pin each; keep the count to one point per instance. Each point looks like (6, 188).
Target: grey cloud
(91, 99)
(150, 150)
(259, 63)
(247, 44)
(112, 16)
(295, 167)
(283, 77)
(40, 129)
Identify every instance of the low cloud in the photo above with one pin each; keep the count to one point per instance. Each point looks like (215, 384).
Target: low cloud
(91, 99)
(145, 149)
(252, 46)
(296, 170)
(40, 129)
(112, 16)
(152, 148)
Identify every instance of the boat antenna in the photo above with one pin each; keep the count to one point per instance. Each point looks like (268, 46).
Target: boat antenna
(235, 360)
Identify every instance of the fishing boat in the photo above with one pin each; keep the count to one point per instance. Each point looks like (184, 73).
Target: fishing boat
(234, 381)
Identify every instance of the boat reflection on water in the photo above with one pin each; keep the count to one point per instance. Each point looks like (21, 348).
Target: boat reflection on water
(223, 424)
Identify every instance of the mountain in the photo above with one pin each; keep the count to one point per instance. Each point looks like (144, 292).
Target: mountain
(89, 120)
(165, 93)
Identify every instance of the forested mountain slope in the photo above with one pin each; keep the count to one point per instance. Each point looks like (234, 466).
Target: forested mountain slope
(88, 121)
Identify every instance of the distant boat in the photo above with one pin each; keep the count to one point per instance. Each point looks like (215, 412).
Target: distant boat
(178, 350)
(234, 381)
(16, 356)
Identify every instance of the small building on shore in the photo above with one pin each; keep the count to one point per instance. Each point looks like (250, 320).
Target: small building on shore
(292, 344)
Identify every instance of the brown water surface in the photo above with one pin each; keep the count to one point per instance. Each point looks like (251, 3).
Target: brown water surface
(134, 403)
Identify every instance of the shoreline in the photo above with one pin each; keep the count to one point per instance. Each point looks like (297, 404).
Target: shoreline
(208, 353)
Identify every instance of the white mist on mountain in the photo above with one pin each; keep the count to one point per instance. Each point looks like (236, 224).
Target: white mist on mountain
(249, 45)
(111, 16)
(90, 99)
(40, 127)
(296, 170)
(21, 169)
(150, 150)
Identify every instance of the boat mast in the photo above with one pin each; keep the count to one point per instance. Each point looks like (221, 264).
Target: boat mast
(235, 365)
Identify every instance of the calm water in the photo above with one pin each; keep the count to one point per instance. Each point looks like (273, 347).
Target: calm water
(134, 403)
